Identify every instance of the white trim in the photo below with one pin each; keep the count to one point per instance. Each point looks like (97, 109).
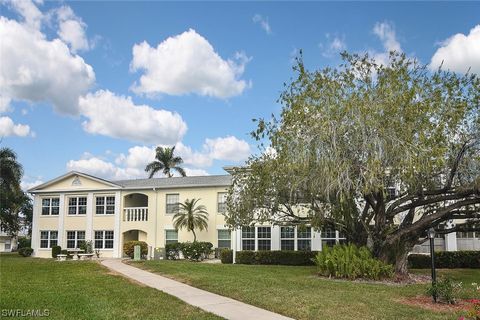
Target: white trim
(116, 231)
(72, 173)
(61, 220)
(35, 227)
(89, 228)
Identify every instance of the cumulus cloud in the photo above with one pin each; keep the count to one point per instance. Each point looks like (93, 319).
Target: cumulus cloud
(26, 185)
(187, 63)
(229, 148)
(333, 45)
(36, 69)
(263, 22)
(385, 31)
(5, 104)
(31, 15)
(71, 29)
(9, 128)
(459, 52)
(118, 117)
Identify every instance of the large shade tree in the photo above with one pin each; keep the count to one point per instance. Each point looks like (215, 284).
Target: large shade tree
(191, 216)
(165, 161)
(382, 152)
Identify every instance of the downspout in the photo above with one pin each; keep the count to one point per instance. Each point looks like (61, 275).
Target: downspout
(156, 222)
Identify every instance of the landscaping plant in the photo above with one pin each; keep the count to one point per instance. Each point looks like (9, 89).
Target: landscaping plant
(445, 290)
(128, 248)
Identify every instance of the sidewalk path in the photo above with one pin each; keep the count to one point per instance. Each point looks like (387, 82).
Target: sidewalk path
(211, 302)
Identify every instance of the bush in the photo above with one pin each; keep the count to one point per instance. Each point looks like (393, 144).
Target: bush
(445, 290)
(24, 242)
(172, 250)
(446, 259)
(284, 257)
(192, 251)
(56, 250)
(128, 248)
(351, 262)
(25, 252)
(226, 255)
(206, 248)
(87, 246)
(65, 251)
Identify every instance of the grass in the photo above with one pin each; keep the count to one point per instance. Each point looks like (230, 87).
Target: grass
(83, 290)
(298, 293)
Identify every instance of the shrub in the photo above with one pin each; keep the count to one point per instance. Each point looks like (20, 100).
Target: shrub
(245, 257)
(226, 255)
(25, 252)
(351, 262)
(56, 250)
(445, 290)
(192, 251)
(206, 248)
(446, 259)
(69, 256)
(128, 248)
(284, 257)
(172, 250)
(24, 242)
(87, 246)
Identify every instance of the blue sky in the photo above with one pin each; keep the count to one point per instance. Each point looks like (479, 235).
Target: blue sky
(94, 86)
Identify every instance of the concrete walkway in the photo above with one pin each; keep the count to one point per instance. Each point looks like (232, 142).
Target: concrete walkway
(211, 302)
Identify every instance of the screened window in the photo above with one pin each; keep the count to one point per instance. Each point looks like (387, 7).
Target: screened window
(287, 238)
(222, 202)
(224, 239)
(77, 205)
(172, 203)
(171, 236)
(50, 206)
(264, 238)
(105, 205)
(104, 239)
(465, 235)
(48, 238)
(304, 239)
(75, 239)
(248, 238)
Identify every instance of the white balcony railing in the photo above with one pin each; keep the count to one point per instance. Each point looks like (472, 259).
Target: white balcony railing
(135, 214)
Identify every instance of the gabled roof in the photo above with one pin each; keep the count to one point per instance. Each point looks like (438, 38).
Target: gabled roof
(177, 182)
(73, 173)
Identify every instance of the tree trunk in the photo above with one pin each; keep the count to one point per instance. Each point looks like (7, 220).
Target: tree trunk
(194, 236)
(397, 255)
(401, 264)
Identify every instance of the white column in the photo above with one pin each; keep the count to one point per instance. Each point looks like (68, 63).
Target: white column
(90, 205)
(37, 202)
(116, 232)
(451, 241)
(316, 240)
(275, 238)
(238, 234)
(61, 220)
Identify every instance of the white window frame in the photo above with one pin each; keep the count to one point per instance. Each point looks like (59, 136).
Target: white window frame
(170, 239)
(76, 238)
(229, 239)
(50, 206)
(105, 205)
(169, 203)
(337, 237)
(258, 239)
(298, 238)
(293, 239)
(77, 206)
(103, 239)
(49, 239)
(249, 238)
(222, 202)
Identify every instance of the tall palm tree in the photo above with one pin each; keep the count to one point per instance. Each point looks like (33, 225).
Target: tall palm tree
(191, 216)
(165, 161)
(11, 170)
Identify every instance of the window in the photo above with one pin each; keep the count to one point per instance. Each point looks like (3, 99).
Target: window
(222, 202)
(287, 238)
(248, 238)
(328, 233)
(264, 238)
(48, 239)
(304, 238)
(224, 239)
(75, 239)
(77, 205)
(105, 205)
(172, 203)
(465, 235)
(104, 239)
(171, 236)
(391, 192)
(50, 206)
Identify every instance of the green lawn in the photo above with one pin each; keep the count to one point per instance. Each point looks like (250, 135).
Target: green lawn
(297, 292)
(83, 290)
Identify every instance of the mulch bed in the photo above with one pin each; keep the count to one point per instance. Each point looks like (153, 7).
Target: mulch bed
(427, 303)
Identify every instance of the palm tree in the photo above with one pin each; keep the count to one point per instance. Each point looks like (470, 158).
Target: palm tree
(165, 161)
(191, 216)
(11, 170)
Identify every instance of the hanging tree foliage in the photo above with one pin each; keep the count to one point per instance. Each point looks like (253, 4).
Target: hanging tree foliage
(382, 152)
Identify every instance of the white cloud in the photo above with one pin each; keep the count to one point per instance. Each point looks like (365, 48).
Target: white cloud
(229, 148)
(117, 116)
(38, 70)
(5, 104)
(195, 158)
(9, 128)
(103, 169)
(385, 31)
(196, 172)
(263, 22)
(26, 185)
(30, 13)
(459, 52)
(71, 29)
(187, 63)
(334, 44)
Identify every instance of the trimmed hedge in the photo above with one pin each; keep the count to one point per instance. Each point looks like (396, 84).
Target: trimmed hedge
(25, 252)
(446, 259)
(172, 250)
(194, 251)
(226, 256)
(56, 250)
(24, 242)
(283, 257)
(129, 247)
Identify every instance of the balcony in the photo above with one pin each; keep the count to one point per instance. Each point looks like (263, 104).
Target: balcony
(135, 214)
